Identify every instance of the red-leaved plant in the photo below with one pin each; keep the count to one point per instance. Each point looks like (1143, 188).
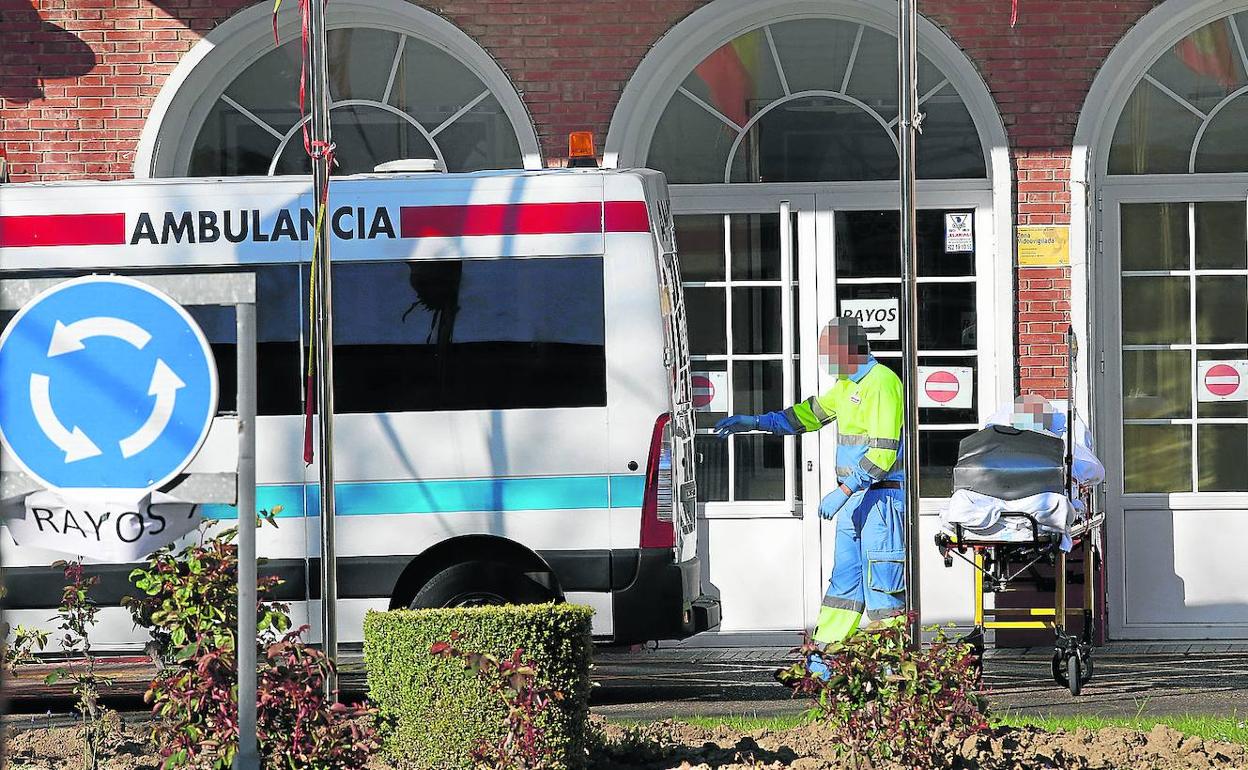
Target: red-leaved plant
(523, 744)
(886, 701)
(296, 725)
(190, 604)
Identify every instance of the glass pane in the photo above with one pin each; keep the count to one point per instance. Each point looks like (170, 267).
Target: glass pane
(481, 138)
(756, 325)
(946, 316)
(430, 84)
(757, 387)
(1221, 309)
(1222, 147)
(359, 62)
(690, 144)
(1156, 384)
(871, 291)
(700, 247)
(708, 419)
(711, 469)
(269, 88)
(874, 79)
(231, 144)
(1154, 236)
(706, 321)
(1221, 240)
(938, 453)
(759, 463)
(1155, 311)
(754, 242)
(1220, 452)
(1157, 458)
(868, 244)
(1154, 134)
(1222, 408)
(737, 79)
(1202, 68)
(364, 137)
(814, 52)
(816, 139)
(934, 258)
(949, 146)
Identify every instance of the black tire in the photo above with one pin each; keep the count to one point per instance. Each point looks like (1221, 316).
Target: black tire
(479, 583)
(1059, 670)
(1087, 667)
(1074, 677)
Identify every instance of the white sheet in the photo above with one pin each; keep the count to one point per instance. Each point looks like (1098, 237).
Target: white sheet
(981, 519)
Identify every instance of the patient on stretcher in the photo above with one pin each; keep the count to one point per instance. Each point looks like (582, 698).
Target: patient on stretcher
(1016, 464)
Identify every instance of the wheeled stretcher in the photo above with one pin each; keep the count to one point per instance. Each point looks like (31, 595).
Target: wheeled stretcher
(1023, 500)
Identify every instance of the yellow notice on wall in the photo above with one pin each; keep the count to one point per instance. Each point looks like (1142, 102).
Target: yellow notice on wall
(1043, 245)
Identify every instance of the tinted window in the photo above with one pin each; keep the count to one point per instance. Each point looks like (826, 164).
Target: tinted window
(469, 334)
(279, 294)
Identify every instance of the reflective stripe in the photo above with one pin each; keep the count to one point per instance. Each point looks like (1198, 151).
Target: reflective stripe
(822, 416)
(873, 470)
(852, 439)
(835, 624)
(885, 443)
(843, 472)
(843, 604)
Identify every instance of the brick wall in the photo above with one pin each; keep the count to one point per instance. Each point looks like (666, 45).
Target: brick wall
(77, 78)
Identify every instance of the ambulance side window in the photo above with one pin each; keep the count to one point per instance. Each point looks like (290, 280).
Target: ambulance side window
(280, 295)
(471, 334)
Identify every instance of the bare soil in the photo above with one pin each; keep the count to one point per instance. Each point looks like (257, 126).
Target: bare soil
(678, 746)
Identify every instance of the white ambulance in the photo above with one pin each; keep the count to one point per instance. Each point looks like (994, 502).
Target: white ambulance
(513, 404)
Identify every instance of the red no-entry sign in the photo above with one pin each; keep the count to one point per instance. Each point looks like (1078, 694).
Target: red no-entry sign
(1222, 380)
(710, 391)
(946, 387)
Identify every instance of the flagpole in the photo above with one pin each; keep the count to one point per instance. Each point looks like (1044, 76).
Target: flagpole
(909, 124)
(321, 143)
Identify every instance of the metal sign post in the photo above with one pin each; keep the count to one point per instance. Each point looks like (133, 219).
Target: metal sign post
(324, 333)
(248, 757)
(909, 123)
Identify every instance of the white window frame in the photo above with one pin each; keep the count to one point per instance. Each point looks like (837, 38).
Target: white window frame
(204, 72)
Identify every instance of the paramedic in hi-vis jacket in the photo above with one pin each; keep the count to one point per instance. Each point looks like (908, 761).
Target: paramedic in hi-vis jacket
(866, 402)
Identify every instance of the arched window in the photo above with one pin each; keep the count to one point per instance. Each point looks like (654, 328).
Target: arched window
(809, 100)
(404, 84)
(1187, 113)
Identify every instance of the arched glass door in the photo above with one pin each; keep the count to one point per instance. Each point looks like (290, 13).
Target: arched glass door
(781, 148)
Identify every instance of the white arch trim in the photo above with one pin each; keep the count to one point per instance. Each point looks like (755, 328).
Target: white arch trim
(1159, 29)
(205, 71)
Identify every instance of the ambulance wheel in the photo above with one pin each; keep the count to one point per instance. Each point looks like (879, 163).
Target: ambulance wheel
(479, 584)
(1074, 676)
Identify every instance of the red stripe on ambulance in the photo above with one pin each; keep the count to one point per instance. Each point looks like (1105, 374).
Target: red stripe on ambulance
(63, 230)
(522, 219)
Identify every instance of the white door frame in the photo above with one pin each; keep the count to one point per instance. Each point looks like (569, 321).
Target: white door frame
(1109, 414)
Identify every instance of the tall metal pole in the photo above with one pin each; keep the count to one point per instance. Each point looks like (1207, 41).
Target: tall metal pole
(248, 757)
(318, 63)
(909, 106)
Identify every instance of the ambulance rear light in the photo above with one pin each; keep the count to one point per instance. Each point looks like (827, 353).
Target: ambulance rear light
(581, 150)
(410, 166)
(657, 503)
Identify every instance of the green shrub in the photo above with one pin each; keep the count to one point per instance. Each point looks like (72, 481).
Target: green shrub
(438, 711)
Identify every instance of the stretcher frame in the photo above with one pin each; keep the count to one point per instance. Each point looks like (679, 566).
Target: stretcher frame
(999, 563)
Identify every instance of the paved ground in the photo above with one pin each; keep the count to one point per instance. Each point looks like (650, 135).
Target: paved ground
(1127, 681)
(1151, 679)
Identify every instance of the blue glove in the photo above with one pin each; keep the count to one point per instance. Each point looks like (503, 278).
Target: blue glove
(737, 423)
(832, 502)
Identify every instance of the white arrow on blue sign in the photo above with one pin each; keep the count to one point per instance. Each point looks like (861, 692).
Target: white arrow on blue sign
(107, 383)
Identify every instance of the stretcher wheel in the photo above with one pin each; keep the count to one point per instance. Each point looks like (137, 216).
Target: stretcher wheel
(1074, 676)
(1087, 668)
(1059, 669)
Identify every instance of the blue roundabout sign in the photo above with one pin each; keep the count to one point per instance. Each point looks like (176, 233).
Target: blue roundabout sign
(107, 383)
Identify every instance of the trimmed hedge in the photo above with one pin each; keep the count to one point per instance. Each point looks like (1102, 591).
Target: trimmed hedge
(437, 710)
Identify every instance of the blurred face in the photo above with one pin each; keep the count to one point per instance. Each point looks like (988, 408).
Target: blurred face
(1032, 413)
(838, 348)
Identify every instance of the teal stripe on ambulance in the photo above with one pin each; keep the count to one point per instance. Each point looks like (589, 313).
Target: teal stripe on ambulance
(373, 498)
